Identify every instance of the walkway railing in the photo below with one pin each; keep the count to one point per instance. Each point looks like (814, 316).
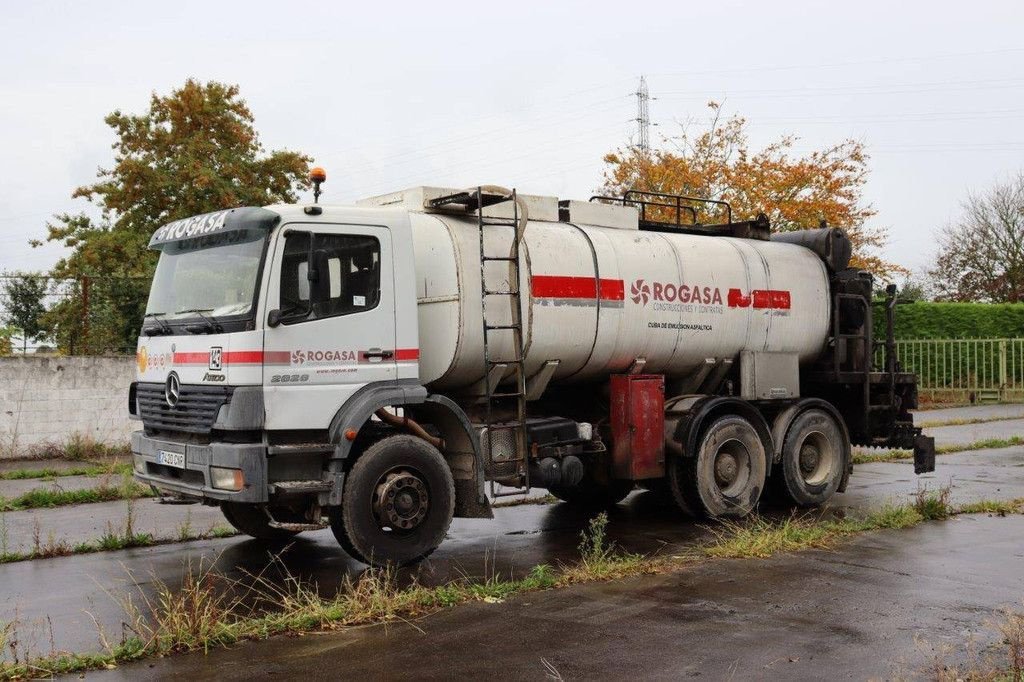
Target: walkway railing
(962, 370)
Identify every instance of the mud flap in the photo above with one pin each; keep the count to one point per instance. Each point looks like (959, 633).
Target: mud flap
(924, 454)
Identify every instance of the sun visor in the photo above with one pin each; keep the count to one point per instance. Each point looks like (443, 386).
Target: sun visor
(245, 218)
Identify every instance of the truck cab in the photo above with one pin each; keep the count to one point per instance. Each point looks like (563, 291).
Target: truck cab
(270, 337)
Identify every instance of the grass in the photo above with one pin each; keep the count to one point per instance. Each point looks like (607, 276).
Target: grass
(208, 611)
(108, 541)
(546, 499)
(966, 422)
(861, 456)
(112, 539)
(49, 497)
(116, 469)
(80, 448)
(1003, 661)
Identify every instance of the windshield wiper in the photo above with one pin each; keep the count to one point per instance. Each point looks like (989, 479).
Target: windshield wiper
(211, 325)
(162, 328)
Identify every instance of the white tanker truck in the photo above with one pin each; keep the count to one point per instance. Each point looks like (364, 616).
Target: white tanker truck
(375, 368)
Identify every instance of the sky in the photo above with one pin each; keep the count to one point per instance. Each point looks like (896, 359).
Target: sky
(528, 94)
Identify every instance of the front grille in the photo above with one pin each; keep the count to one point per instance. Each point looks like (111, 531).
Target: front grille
(195, 412)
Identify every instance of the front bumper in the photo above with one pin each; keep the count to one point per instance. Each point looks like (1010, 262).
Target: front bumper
(194, 479)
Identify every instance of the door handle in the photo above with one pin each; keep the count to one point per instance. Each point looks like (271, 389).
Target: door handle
(382, 354)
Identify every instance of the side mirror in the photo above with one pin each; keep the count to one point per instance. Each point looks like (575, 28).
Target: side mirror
(274, 317)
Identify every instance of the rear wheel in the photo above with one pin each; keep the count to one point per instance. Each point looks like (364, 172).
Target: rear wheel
(814, 459)
(252, 520)
(398, 502)
(726, 476)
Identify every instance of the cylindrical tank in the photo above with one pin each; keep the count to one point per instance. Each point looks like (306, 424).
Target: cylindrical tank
(597, 299)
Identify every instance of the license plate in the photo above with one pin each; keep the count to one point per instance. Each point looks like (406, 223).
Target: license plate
(171, 459)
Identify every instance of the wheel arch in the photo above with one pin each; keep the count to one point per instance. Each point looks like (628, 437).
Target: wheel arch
(461, 452)
(695, 413)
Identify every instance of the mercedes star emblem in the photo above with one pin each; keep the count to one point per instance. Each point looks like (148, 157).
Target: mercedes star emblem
(172, 389)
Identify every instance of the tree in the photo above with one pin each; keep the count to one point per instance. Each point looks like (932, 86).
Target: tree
(796, 192)
(22, 296)
(194, 151)
(981, 255)
(6, 347)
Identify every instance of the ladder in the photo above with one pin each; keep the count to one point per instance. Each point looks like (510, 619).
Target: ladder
(504, 405)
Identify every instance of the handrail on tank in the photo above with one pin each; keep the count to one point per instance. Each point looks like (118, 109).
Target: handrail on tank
(637, 197)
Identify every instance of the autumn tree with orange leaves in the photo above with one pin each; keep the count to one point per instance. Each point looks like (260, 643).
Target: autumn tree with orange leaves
(796, 192)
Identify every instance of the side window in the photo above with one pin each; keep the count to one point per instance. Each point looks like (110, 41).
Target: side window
(326, 275)
(347, 274)
(295, 275)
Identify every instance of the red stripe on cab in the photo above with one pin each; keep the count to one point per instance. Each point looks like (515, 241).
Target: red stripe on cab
(192, 358)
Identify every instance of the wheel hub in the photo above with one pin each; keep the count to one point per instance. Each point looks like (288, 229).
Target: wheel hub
(810, 457)
(726, 468)
(400, 501)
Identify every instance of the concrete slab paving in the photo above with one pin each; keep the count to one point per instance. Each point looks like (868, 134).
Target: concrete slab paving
(517, 539)
(48, 463)
(971, 433)
(879, 607)
(970, 412)
(83, 522)
(15, 488)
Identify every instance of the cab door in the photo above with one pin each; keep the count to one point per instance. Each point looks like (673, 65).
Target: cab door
(330, 329)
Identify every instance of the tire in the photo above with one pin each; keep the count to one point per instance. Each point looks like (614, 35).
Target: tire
(590, 494)
(252, 520)
(726, 476)
(815, 458)
(398, 503)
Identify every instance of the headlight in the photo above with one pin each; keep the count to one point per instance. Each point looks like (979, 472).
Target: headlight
(226, 479)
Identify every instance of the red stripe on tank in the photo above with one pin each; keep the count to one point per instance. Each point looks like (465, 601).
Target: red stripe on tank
(561, 286)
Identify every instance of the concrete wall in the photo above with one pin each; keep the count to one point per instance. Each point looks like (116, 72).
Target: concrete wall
(49, 399)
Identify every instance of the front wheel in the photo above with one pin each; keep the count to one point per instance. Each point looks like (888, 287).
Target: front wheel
(398, 502)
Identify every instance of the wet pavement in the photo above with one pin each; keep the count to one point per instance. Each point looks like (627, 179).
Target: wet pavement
(17, 487)
(509, 545)
(73, 524)
(969, 412)
(879, 607)
(971, 433)
(68, 600)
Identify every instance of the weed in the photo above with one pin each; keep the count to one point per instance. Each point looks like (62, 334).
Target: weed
(933, 505)
(861, 456)
(889, 517)
(221, 531)
(599, 559)
(966, 422)
(49, 497)
(997, 507)
(48, 473)
(1001, 662)
(185, 528)
(546, 499)
(759, 537)
(211, 610)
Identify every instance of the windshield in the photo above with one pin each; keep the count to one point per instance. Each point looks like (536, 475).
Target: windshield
(214, 275)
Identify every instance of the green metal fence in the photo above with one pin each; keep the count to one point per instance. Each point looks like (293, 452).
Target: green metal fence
(962, 370)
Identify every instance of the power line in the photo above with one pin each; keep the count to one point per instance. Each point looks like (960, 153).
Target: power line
(862, 62)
